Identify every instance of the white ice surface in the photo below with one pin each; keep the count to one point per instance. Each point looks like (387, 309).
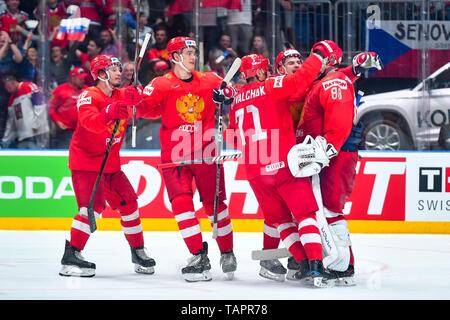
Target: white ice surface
(387, 267)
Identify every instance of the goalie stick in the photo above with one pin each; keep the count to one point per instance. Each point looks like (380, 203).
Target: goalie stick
(219, 140)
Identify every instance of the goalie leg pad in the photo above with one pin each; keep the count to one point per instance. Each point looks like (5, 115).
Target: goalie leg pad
(341, 236)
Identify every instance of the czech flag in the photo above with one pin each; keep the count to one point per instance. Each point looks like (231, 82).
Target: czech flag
(400, 43)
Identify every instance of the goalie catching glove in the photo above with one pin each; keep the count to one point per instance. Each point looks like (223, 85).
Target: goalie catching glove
(309, 157)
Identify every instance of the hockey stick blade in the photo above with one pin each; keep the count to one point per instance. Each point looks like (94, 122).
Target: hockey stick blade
(270, 254)
(231, 72)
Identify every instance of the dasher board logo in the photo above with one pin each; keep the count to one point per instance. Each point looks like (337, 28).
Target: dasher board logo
(428, 187)
(434, 179)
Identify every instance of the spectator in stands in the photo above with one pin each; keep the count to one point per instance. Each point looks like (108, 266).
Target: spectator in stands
(93, 49)
(108, 41)
(28, 68)
(113, 8)
(288, 15)
(27, 124)
(127, 74)
(239, 26)
(211, 65)
(211, 23)
(59, 66)
(158, 50)
(157, 56)
(63, 108)
(12, 20)
(143, 30)
(259, 46)
(55, 11)
(10, 55)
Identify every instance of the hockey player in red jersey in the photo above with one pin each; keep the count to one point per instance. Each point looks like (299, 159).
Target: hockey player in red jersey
(261, 120)
(184, 100)
(287, 62)
(98, 109)
(328, 118)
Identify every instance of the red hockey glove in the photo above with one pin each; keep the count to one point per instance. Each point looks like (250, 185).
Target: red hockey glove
(366, 60)
(329, 51)
(116, 110)
(224, 95)
(133, 95)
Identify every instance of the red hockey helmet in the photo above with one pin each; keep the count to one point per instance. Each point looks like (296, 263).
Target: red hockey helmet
(179, 43)
(285, 54)
(103, 62)
(332, 50)
(253, 62)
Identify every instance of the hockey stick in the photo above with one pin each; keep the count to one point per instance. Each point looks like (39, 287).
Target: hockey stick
(328, 245)
(90, 207)
(198, 161)
(219, 140)
(135, 77)
(137, 65)
(270, 254)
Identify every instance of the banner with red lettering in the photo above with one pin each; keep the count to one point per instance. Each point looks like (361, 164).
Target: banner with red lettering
(388, 186)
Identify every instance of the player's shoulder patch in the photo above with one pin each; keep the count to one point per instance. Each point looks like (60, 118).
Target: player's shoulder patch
(148, 90)
(334, 83)
(278, 81)
(84, 98)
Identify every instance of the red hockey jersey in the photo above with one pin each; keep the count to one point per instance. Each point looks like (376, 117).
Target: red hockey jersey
(90, 139)
(329, 110)
(187, 110)
(261, 118)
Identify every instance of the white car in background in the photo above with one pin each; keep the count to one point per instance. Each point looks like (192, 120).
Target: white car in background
(408, 119)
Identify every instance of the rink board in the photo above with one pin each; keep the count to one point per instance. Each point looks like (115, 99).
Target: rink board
(395, 192)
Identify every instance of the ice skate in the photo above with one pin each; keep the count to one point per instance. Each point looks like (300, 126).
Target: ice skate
(317, 275)
(272, 269)
(344, 278)
(142, 262)
(297, 271)
(229, 264)
(74, 265)
(198, 266)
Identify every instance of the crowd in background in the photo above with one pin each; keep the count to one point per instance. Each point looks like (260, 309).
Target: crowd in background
(226, 34)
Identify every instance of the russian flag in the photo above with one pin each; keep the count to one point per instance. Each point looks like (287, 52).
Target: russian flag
(73, 29)
(400, 43)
